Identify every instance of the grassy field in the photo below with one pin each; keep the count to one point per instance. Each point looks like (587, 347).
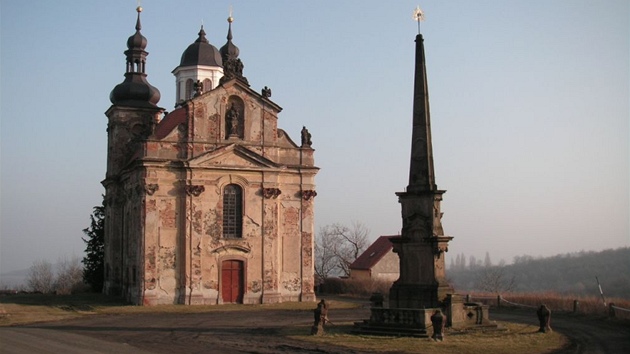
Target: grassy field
(519, 338)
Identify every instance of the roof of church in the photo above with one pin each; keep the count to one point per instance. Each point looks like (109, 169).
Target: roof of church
(201, 52)
(135, 90)
(374, 253)
(169, 122)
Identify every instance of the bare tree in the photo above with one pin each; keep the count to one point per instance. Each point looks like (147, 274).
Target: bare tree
(69, 275)
(325, 258)
(41, 277)
(337, 246)
(352, 242)
(495, 280)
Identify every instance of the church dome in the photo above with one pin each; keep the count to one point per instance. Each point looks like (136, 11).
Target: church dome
(201, 52)
(135, 90)
(137, 41)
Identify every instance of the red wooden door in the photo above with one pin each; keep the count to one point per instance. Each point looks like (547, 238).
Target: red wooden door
(232, 281)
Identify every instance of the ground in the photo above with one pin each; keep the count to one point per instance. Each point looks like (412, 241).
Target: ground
(256, 331)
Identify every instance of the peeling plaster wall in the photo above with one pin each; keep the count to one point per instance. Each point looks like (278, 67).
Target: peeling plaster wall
(165, 219)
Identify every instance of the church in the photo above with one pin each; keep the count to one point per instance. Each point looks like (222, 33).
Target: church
(211, 203)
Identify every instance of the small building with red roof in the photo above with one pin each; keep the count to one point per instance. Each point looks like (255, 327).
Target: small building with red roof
(378, 262)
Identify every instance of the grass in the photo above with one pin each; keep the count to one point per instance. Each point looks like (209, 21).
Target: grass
(519, 338)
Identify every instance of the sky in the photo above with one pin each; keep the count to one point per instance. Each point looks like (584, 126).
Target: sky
(529, 108)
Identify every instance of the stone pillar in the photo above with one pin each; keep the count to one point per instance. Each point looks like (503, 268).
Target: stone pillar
(271, 268)
(307, 256)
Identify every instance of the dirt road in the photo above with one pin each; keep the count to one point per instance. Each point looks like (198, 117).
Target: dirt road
(252, 332)
(588, 334)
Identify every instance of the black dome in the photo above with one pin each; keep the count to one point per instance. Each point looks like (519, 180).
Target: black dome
(135, 91)
(201, 53)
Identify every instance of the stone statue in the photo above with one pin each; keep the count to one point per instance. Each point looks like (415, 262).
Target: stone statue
(320, 315)
(306, 137)
(437, 320)
(266, 92)
(544, 318)
(198, 87)
(232, 120)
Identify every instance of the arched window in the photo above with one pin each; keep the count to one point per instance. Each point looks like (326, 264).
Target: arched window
(232, 211)
(189, 89)
(207, 85)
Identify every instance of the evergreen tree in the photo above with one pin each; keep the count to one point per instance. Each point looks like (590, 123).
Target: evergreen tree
(487, 262)
(94, 260)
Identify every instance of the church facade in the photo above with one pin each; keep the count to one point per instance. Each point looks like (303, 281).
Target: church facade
(210, 203)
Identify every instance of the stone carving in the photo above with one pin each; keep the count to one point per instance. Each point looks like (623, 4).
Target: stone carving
(271, 193)
(292, 284)
(320, 315)
(195, 190)
(198, 87)
(232, 121)
(266, 92)
(306, 137)
(544, 319)
(308, 194)
(233, 69)
(151, 188)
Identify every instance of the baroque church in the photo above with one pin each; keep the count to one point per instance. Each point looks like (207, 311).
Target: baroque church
(211, 203)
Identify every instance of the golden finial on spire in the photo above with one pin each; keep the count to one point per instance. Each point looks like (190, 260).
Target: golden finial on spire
(418, 15)
(139, 8)
(230, 18)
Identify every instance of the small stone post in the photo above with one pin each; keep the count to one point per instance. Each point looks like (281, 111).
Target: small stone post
(437, 320)
(544, 318)
(320, 315)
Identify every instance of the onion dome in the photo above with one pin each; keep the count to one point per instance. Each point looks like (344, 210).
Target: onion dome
(135, 91)
(201, 52)
(232, 65)
(229, 50)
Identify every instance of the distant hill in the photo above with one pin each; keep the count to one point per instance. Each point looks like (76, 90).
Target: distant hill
(572, 273)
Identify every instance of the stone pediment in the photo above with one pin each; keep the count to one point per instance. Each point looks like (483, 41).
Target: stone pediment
(233, 156)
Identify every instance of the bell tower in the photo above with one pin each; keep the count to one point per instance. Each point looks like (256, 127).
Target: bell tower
(201, 64)
(131, 119)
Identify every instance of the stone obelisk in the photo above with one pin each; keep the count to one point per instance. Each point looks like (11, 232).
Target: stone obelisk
(421, 246)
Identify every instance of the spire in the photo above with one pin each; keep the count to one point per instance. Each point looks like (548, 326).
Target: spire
(202, 36)
(421, 172)
(135, 91)
(232, 65)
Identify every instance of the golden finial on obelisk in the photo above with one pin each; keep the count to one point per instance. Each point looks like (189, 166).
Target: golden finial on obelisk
(418, 15)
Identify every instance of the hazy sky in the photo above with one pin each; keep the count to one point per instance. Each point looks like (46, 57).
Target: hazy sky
(529, 108)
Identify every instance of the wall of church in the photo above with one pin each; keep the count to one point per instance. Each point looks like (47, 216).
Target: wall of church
(184, 247)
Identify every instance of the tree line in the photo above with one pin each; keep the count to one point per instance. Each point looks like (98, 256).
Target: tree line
(68, 276)
(571, 274)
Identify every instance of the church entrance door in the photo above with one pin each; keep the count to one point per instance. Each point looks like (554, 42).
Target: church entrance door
(232, 281)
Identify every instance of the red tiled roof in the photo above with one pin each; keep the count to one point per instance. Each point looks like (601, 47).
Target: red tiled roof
(168, 123)
(373, 254)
